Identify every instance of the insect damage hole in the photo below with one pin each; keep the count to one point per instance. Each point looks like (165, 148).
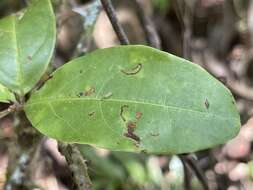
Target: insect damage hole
(207, 104)
(133, 71)
(130, 125)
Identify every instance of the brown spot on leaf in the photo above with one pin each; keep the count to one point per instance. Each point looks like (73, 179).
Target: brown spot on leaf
(138, 115)
(155, 134)
(133, 71)
(80, 94)
(89, 91)
(91, 114)
(29, 57)
(108, 95)
(131, 126)
(122, 109)
(207, 104)
(132, 136)
(130, 131)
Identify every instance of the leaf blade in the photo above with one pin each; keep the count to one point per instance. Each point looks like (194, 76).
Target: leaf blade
(27, 43)
(5, 95)
(110, 101)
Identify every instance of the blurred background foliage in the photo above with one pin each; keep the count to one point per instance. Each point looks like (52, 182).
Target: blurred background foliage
(216, 34)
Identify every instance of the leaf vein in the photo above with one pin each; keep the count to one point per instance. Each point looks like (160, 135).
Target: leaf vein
(46, 100)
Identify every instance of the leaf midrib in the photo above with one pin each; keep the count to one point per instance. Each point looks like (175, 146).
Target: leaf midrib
(46, 100)
(19, 72)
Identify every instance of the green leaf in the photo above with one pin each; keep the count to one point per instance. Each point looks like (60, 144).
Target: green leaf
(26, 45)
(5, 95)
(135, 98)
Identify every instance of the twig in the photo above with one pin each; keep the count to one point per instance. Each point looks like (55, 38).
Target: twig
(187, 177)
(187, 33)
(185, 16)
(110, 11)
(10, 109)
(194, 166)
(4, 113)
(148, 26)
(77, 166)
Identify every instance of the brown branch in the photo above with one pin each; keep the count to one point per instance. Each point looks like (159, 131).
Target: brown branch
(77, 166)
(187, 35)
(4, 113)
(110, 11)
(11, 109)
(184, 14)
(152, 36)
(187, 176)
(191, 162)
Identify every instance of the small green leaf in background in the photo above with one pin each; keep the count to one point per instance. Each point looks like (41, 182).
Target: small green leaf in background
(135, 98)
(26, 45)
(5, 95)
